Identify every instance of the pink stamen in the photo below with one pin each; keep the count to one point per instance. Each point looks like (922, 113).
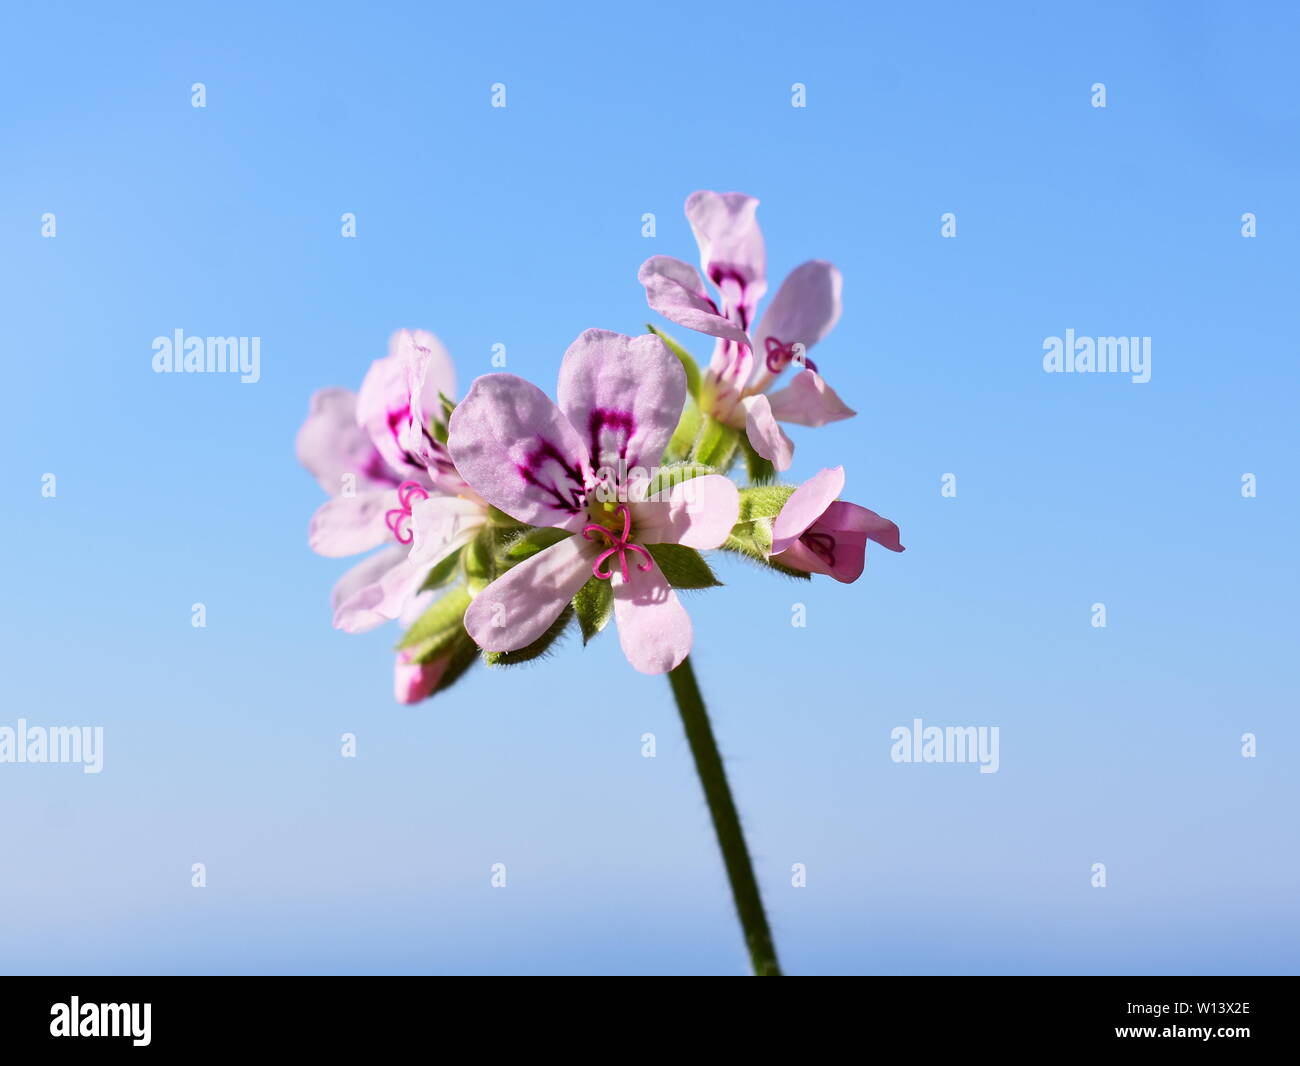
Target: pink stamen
(399, 519)
(618, 544)
(779, 356)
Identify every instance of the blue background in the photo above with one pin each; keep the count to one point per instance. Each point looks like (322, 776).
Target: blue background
(522, 227)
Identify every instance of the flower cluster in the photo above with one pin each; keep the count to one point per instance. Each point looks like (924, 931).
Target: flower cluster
(502, 520)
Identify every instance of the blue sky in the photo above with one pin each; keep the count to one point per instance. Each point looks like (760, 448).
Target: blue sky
(522, 226)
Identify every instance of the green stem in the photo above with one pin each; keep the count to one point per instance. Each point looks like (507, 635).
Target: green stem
(726, 822)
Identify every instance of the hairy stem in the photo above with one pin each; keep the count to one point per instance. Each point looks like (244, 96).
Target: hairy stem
(726, 822)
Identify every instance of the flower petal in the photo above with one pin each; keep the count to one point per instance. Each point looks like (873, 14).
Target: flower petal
(805, 506)
(413, 682)
(767, 437)
(674, 289)
(801, 557)
(386, 407)
(850, 518)
(518, 451)
(808, 401)
(625, 395)
(331, 445)
(347, 525)
(441, 524)
(375, 590)
(804, 309)
(653, 627)
(732, 253)
(520, 605)
(699, 513)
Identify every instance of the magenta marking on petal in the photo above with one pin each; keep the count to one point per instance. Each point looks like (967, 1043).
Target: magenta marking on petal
(822, 545)
(571, 498)
(619, 422)
(720, 272)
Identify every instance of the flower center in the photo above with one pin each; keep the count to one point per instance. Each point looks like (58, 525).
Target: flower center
(618, 541)
(399, 519)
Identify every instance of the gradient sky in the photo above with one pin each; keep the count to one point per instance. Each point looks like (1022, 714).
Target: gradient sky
(522, 226)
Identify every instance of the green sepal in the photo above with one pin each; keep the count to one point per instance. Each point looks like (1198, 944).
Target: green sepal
(479, 559)
(444, 619)
(499, 518)
(594, 604)
(752, 534)
(763, 501)
(760, 470)
(716, 444)
(443, 571)
(683, 568)
(448, 405)
(684, 357)
(532, 541)
(537, 648)
(688, 428)
(674, 474)
(463, 653)
(752, 539)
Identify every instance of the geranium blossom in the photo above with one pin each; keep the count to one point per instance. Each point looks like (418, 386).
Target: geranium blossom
(375, 456)
(583, 466)
(806, 306)
(820, 534)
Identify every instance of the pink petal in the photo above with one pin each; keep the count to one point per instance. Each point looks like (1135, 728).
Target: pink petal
(800, 557)
(850, 518)
(675, 290)
(376, 590)
(386, 407)
(732, 254)
(347, 525)
(653, 627)
(516, 450)
(805, 506)
(330, 444)
(808, 401)
(427, 358)
(624, 395)
(441, 524)
(699, 513)
(414, 682)
(767, 437)
(517, 607)
(803, 310)
(729, 372)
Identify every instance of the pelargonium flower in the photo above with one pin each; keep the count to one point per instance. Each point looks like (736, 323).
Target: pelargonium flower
(584, 466)
(806, 306)
(374, 454)
(817, 533)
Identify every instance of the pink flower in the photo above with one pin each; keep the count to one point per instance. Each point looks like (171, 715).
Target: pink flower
(374, 455)
(803, 311)
(583, 467)
(819, 534)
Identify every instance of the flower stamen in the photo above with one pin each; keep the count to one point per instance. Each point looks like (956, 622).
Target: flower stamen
(398, 520)
(618, 544)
